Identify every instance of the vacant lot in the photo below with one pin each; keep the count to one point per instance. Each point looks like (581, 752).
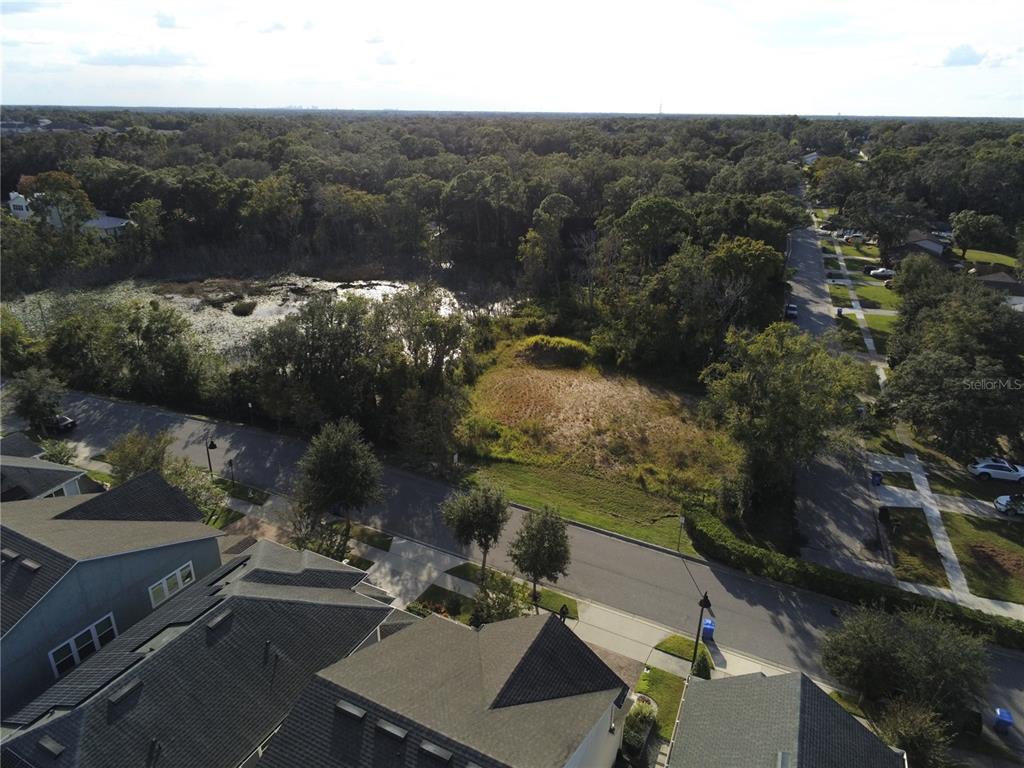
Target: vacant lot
(608, 450)
(991, 552)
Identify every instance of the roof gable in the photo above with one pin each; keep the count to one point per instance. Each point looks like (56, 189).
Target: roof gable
(27, 478)
(23, 585)
(147, 497)
(19, 444)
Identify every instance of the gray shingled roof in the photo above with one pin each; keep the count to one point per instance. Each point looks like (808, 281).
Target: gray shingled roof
(27, 478)
(23, 585)
(146, 497)
(749, 720)
(19, 444)
(207, 695)
(522, 693)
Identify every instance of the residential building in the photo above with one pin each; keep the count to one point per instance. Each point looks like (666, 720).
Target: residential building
(31, 478)
(784, 721)
(19, 444)
(79, 570)
(523, 693)
(109, 226)
(207, 678)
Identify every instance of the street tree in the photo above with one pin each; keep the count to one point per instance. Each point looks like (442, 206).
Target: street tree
(477, 516)
(57, 451)
(780, 394)
(36, 393)
(917, 730)
(338, 473)
(137, 452)
(540, 548)
(974, 230)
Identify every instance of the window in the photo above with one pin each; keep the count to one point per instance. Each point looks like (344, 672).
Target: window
(73, 652)
(171, 584)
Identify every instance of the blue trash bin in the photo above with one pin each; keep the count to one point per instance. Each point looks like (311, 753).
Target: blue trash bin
(1004, 720)
(707, 631)
(876, 478)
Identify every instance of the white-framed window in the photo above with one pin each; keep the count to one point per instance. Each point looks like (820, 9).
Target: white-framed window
(171, 583)
(73, 652)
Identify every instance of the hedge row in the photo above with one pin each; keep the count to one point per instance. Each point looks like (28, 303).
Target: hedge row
(713, 539)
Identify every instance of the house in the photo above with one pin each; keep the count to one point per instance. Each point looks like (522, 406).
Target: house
(31, 478)
(1000, 281)
(207, 678)
(920, 242)
(784, 721)
(810, 158)
(20, 445)
(79, 570)
(522, 693)
(108, 226)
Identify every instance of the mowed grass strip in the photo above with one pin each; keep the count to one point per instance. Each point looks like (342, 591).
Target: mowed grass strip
(840, 295)
(667, 691)
(913, 548)
(991, 553)
(612, 505)
(681, 647)
(550, 600)
(881, 329)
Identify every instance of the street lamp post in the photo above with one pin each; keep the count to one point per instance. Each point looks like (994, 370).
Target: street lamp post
(210, 446)
(705, 604)
(231, 466)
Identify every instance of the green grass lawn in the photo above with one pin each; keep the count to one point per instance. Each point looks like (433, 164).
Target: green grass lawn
(612, 505)
(550, 600)
(831, 262)
(825, 213)
(243, 492)
(840, 295)
(881, 327)
(957, 481)
(988, 257)
(898, 480)
(360, 562)
(376, 539)
(913, 548)
(667, 691)
(681, 647)
(100, 477)
(863, 253)
(991, 552)
(225, 517)
(874, 295)
(439, 600)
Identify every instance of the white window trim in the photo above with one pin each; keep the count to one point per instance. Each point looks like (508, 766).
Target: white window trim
(163, 583)
(91, 629)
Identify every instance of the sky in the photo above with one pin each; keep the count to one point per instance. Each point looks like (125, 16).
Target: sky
(868, 57)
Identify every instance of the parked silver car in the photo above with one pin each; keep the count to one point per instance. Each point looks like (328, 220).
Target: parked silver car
(1010, 505)
(993, 467)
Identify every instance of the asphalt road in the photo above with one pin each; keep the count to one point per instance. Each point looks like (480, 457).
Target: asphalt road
(810, 290)
(764, 619)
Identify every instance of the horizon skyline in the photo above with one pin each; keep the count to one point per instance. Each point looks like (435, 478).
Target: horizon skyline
(867, 59)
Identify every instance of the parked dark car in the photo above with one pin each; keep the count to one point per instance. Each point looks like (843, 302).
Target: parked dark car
(791, 311)
(61, 423)
(869, 268)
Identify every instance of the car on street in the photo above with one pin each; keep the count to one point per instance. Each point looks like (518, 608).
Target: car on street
(993, 467)
(61, 423)
(882, 273)
(791, 311)
(1010, 505)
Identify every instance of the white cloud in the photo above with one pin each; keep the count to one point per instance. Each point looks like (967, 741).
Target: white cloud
(963, 56)
(159, 58)
(166, 21)
(385, 59)
(277, 26)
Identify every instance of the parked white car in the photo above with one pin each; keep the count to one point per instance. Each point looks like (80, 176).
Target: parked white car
(882, 273)
(1010, 505)
(996, 468)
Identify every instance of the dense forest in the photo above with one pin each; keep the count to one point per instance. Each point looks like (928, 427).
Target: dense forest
(652, 240)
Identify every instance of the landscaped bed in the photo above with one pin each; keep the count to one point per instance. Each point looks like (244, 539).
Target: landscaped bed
(550, 600)
(371, 536)
(242, 492)
(913, 548)
(667, 691)
(446, 603)
(991, 553)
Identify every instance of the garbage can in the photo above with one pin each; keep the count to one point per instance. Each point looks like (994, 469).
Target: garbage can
(1004, 720)
(707, 632)
(876, 478)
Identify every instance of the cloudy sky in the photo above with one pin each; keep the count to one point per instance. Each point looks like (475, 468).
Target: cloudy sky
(868, 57)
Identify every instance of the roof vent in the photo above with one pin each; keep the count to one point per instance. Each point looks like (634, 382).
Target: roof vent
(392, 729)
(30, 565)
(785, 760)
(217, 620)
(436, 751)
(8, 554)
(51, 746)
(350, 709)
(122, 693)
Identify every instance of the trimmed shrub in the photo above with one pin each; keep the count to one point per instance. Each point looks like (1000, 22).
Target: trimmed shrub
(555, 351)
(243, 308)
(715, 540)
(638, 726)
(701, 667)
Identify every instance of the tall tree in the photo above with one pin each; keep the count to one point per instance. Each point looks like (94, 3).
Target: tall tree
(37, 394)
(477, 516)
(540, 548)
(338, 473)
(974, 230)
